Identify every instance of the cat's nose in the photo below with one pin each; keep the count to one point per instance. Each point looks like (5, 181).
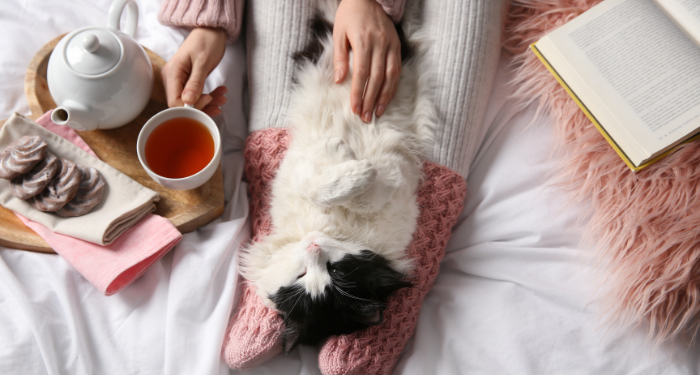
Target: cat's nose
(313, 249)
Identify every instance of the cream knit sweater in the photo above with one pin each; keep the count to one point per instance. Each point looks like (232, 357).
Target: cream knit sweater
(465, 52)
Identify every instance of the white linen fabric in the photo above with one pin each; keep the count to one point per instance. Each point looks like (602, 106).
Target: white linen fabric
(515, 294)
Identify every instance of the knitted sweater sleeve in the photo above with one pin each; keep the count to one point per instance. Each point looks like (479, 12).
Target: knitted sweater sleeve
(228, 14)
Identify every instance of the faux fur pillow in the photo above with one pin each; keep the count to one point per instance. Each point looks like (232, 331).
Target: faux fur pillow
(254, 333)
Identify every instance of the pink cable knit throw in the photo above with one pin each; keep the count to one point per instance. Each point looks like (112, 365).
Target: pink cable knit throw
(254, 332)
(646, 225)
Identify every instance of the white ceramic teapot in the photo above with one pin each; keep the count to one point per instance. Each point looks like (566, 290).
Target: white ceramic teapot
(100, 77)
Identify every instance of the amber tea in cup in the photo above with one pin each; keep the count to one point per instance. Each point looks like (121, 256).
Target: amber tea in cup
(179, 147)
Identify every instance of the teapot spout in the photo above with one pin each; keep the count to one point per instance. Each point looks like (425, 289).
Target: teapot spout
(77, 116)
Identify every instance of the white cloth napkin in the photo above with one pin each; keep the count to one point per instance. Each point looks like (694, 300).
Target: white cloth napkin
(125, 201)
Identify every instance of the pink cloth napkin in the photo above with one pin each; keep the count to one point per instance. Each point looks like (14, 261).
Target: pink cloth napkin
(109, 268)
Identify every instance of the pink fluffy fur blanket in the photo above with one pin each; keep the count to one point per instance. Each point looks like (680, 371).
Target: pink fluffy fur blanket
(645, 225)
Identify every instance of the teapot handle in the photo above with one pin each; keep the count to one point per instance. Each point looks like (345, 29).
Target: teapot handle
(115, 14)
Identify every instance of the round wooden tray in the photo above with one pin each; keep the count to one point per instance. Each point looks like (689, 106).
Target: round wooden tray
(187, 210)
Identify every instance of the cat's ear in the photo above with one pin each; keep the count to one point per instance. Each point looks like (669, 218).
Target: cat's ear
(291, 335)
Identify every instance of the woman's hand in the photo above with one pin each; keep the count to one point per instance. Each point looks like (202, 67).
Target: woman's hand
(184, 75)
(363, 26)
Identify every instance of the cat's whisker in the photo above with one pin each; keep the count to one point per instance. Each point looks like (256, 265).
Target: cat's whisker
(297, 301)
(294, 293)
(345, 284)
(351, 272)
(346, 294)
(295, 297)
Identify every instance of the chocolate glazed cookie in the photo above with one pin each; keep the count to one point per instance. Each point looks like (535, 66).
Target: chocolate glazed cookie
(92, 187)
(21, 156)
(61, 190)
(36, 180)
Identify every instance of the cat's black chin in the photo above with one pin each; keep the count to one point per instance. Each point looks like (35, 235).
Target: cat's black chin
(354, 300)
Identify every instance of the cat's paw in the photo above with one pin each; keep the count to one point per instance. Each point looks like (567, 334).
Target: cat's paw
(343, 182)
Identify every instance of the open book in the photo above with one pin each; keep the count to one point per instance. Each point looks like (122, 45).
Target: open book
(633, 66)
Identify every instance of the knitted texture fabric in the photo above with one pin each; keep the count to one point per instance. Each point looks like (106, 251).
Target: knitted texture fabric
(371, 351)
(464, 51)
(644, 224)
(275, 30)
(254, 333)
(226, 14)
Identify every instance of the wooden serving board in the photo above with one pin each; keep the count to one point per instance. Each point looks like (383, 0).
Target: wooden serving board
(187, 210)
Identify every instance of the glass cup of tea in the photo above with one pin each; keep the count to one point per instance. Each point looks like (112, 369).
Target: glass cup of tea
(180, 147)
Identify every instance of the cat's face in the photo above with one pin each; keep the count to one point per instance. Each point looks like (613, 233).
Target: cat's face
(324, 287)
(299, 262)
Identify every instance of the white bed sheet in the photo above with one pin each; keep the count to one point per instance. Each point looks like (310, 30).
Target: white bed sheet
(514, 296)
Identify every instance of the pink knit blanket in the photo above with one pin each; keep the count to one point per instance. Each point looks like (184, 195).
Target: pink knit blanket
(645, 226)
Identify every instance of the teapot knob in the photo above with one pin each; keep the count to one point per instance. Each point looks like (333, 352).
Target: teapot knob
(91, 43)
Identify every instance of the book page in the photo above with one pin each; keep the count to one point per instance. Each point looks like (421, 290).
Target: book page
(634, 69)
(686, 13)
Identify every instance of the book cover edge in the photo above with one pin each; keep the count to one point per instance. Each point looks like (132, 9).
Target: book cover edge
(593, 120)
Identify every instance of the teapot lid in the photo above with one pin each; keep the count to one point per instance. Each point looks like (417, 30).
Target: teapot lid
(93, 51)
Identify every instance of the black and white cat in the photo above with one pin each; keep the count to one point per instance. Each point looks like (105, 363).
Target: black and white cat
(344, 198)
